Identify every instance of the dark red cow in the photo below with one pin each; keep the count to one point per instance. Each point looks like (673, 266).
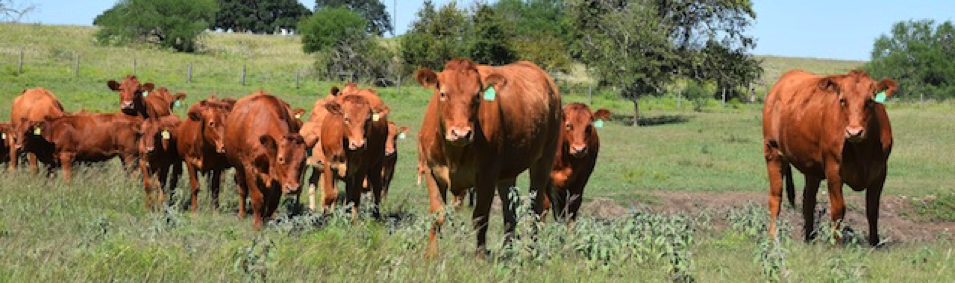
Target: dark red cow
(158, 154)
(200, 144)
(141, 100)
(576, 157)
(89, 138)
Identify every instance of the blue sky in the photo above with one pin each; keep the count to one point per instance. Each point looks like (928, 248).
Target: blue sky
(813, 28)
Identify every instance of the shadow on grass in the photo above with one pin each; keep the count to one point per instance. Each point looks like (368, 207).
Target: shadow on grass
(627, 120)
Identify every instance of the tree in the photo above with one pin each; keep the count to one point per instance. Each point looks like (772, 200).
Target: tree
(259, 16)
(328, 27)
(10, 11)
(174, 24)
(490, 45)
(340, 43)
(918, 54)
(379, 21)
(435, 37)
(540, 31)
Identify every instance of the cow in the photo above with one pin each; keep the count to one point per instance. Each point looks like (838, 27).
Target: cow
(33, 105)
(831, 128)
(200, 144)
(5, 132)
(484, 126)
(89, 138)
(391, 156)
(353, 139)
(135, 99)
(267, 151)
(575, 158)
(158, 154)
(311, 131)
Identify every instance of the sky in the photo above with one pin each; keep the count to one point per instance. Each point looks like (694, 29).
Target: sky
(808, 28)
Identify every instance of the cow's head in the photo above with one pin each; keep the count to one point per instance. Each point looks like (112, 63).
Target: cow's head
(394, 132)
(856, 93)
(286, 160)
(356, 116)
(211, 115)
(27, 130)
(460, 90)
(162, 130)
(579, 127)
(130, 91)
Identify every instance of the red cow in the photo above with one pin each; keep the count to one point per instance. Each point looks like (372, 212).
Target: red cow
(267, 152)
(90, 138)
(33, 105)
(158, 154)
(5, 131)
(200, 144)
(137, 99)
(311, 131)
(829, 127)
(485, 126)
(391, 156)
(575, 159)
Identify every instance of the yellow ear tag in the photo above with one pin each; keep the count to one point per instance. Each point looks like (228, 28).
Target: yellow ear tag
(490, 94)
(298, 116)
(401, 136)
(599, 123)
(3, 136)
(37, 131)
(375, 117)
(165, 135)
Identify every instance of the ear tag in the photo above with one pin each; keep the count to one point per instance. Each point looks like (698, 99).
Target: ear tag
(37, 131)
(880, 97)
(176, 103)
(145, 93)
(3, 136)
(165, 135)
(375, 117)
(401, 136)
(490, 94)
(599, 123)
(298, 116)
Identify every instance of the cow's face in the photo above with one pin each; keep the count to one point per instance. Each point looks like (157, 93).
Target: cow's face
(579, 127)
(393, 133)
(286, 159)
(459, 90)
(129, 91)
(356, 115)
(856, 94)
(211, 115)
(27, 129)
(157, 132)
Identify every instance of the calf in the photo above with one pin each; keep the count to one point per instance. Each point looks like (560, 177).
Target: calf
(201, 145)
(267, 151)
(158, 154)
(33, 105)
(135, 99)
(831, 128)
(90, 138)
(575, 159)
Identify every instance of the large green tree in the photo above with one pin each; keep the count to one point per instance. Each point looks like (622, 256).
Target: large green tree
(436, 36)
(491, 34)
(174, 24)
(540, 31)
(918, 54)
(259, 16)
(340, 43)
(329, 26)
(379, 21)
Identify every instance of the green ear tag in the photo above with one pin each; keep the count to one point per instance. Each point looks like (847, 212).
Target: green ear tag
(176, 103)
(375, 117)
(599, 123)
(145, 93)
(165, 135)
(490, 94)
(37, 131)
(401, 136)
(880, 97)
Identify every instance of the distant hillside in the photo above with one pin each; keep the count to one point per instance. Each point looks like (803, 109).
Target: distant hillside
(776, 66)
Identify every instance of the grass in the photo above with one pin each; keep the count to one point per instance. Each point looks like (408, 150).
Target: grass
(95, 228)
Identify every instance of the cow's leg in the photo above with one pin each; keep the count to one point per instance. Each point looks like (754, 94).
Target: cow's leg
(873, 196)
(558, 203)
(576, 198)
(312, 183)
(353, 190)
(257, 199)
(14, 158)
(508, 207)
(387, 174)
(242, 189)
(66, 160)
(172, 183)
(837, 203)
(162, 175)
(193, 187)
(329, 190)
(540, 184)
(437, 194)
(774, 165)
(809, 207)
(484, 187)
(215, 181)
(377, 189)
(147, 186)
(33, 163)
(273, 196)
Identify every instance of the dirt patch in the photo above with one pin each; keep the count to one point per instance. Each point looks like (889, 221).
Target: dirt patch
(895, 221)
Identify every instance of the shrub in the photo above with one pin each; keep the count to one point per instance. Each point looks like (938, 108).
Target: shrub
(175, 24)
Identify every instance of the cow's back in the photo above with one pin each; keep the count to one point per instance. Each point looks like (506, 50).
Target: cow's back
(254, 116)
(96, 137)
(34, 105)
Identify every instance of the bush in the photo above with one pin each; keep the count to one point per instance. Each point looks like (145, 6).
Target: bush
(697, 94)
(329, 27)
(175, 24)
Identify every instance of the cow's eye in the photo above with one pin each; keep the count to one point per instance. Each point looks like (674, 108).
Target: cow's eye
(567, 126)
(444, 95)
(842, 101)
(347, 120)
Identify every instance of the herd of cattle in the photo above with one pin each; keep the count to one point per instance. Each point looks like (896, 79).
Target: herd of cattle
(483, 127)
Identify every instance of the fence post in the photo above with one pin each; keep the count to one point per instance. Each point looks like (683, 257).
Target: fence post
(243, 75)
(679, 100)
(398, 84)
(20, 64)
(590, 94)
(189, 73)
(921, 99)
(134, 66)
(297, 74)
(724, 98)
(76, 66)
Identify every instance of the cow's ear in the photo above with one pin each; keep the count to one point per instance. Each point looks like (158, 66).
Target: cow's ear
(270, 146)
(194, 115)
(180, 96)
(829, 84)
(887, 85)
(147, 87)
(602, 114)
(334, 108)
(298, 112)
(493, 79)
(403, 129)
(113, 85)
(335, 91)
(426, 77)
(383, 111)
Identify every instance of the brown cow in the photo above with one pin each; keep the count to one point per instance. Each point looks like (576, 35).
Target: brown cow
(33, 105)
(267, 152)
(201, 145)
(137, 99)
(311, 131)
(5, 131)
(391, 156)
(575, 160)
(832, 128)
(90, 138)
(158, 154)
(485, 126)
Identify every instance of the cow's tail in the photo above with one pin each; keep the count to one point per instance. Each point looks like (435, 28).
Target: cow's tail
(790, 187)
